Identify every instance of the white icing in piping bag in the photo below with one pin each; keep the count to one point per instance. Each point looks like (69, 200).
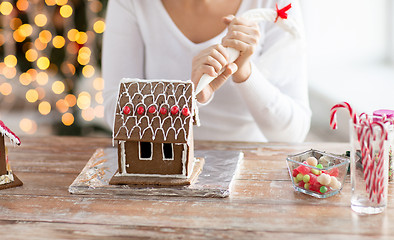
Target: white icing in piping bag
(279, 16)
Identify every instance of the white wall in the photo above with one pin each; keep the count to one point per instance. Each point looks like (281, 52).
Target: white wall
(349, 46)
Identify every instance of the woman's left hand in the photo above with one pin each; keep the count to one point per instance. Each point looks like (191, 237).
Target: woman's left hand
(242, 35)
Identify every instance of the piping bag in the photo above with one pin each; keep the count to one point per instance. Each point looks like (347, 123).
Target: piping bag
(278, 16)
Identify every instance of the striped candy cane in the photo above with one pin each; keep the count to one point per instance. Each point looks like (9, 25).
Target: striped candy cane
(333, 115)
(379, 170)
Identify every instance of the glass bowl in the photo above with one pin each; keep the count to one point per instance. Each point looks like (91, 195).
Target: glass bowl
(318, 173)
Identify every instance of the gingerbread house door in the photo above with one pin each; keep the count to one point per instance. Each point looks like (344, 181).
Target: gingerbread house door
(155, 158)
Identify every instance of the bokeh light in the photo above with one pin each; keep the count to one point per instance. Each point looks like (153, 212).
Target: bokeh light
(9, 72)
(98, 84)
(45, 36)
(83, 100)
(22, 5)
(43, 63)
(25, 30)
(88, 71)
(50, 2)
(73, 35)
(5, 89)
(99, 26)
(40, 20)
(71, 100)
(42, 78)
(39, 45)
(62, 106)
(32, 95)
(6, 8)
(82, 38)
(25, 79)
(31, 55)
(58, 87)
(15, 23)
(61, 2)
(88, 114)
(95, 6)
(58, 42)
(10, 61)
(18, 37)
(99, 98)
(44, 108)
(68, 119)
(66, 11)
(28, 126)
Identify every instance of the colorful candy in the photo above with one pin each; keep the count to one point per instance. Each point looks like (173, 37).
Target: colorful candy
(306, 178)
(323, 189)
(335, 184)
(311, 161)
(300, 176)
(311, 176)
(324, 179)
(303, 169)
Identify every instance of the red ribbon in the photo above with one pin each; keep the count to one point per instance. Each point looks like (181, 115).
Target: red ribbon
(282, 12)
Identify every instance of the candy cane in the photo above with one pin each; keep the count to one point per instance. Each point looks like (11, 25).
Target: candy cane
(379, 187)
(278, 16)
(333, 116)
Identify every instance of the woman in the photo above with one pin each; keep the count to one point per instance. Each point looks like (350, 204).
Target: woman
(262, 96)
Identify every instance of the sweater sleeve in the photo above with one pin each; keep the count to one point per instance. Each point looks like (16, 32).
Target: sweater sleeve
(123, 52)
(276, 92)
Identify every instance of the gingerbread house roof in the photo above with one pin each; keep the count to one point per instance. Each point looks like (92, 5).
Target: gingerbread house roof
(155, 111)
(5, 131)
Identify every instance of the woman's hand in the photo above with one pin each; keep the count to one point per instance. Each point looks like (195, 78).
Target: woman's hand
(243, 36)
(211, 61)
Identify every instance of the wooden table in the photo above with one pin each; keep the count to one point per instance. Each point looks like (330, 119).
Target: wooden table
(263, 203)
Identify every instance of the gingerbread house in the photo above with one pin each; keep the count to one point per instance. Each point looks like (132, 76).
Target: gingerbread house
(7, 178)
(153, 128)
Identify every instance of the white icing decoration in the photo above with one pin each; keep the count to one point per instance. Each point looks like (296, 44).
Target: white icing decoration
(6, 178)
(155, 92)
(13, 138)
(151, 175)
(122, 157)
(184, 158)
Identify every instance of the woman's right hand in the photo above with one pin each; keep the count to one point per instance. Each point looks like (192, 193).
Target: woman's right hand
(211, 61)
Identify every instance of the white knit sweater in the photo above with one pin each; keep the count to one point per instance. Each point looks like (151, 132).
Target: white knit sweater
(141, 41)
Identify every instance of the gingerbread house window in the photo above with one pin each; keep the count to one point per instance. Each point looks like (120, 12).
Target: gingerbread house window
(146, 150)
(168, 151)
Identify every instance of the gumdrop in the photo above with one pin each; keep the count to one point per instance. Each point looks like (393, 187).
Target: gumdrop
(295, 172)
(315, 187)
(311, 161)
(313, 178)
(324, 179)
(334, 172)
(303, 169)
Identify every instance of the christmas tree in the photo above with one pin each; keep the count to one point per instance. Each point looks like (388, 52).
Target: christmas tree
(50, 57)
